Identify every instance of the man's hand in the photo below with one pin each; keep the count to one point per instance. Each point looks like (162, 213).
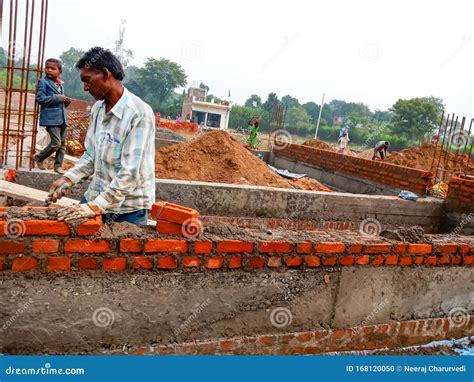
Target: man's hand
(67, 101)
(58, 189)
(81, 211)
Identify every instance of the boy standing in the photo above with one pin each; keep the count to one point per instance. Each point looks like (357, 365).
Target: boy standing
(53, 102)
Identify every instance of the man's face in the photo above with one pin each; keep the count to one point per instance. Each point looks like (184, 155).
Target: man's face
(94, 83)
(51, 70)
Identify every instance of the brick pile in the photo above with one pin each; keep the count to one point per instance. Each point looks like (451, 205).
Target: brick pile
(174, 219)
(461, 194)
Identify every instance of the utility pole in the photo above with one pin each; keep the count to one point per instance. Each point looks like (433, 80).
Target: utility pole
(319, 118)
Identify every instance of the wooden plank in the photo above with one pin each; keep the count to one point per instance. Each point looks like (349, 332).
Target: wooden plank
(18, 191)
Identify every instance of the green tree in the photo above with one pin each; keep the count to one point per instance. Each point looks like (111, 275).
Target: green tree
(289, 101)
(271, 101)
(416, 117)
(254, 101)
(73, 86)
(298, 121)
(313, 110)
(202, 85)
(240, 115)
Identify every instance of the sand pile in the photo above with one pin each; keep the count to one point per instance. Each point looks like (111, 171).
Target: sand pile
(316, 143)
(217, 157)
(422, 158)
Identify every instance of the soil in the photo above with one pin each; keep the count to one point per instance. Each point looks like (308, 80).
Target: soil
(162, 133)
(414, 234)
(319, 145)
(310, 184)
(218, 157)
(422, 158)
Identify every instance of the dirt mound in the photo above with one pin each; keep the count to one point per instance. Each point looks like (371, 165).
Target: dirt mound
(422, 158)
(310, 184)
(162, 133)
(215, 157)
(316, 143)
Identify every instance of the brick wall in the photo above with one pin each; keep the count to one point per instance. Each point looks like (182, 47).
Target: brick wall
(50, 246)
(399, 177)
(461, 194)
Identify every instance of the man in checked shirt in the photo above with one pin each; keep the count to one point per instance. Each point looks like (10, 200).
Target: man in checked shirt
(119, 148)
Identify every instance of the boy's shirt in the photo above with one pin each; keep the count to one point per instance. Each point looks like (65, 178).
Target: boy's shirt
(50, 96)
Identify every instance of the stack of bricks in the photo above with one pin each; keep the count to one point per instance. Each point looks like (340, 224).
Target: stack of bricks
(395, 176)
(461, 194)
(49, 245)
(8, 174)
(177, 220)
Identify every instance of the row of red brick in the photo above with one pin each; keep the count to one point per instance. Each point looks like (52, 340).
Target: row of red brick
(18, 263)
(48, 246)
(461, 194)
(418, 181)
(379, 336)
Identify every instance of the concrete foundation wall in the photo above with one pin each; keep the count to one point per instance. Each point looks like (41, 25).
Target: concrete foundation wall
(82, 313)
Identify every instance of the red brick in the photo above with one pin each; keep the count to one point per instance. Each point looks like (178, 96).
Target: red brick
(447, 248)
(304, 336)
(234, 246)
(418, 260)
(275, 247)
(406, 260)
(45, 246)
(203, 247)
(329, 260)
(173, 212)
(168, 228)
(303, 247)
(444, 259)
(274, 261)
(391, 260)
(2, 262)
(294, 261)
(227, 345)
(11, 247)
(114, 264)
(355, 248)
(430, 260)
(313, 261)
(377, 248)
(337, 334)
(463, 248)
(130, 246)
(166, 262)
(257, 262)
(171, 246)
(421, 249)
(468, 259)
(347, 260)
(456, 259)
(191, 261)
(235, 262)
(46, 227)
(400, 248)
(58, 263)
(362, 260)
(87, 263)
(90, 227)
(21, 264)
(327, 247)
(377, 260)
(87, 246)
(142, 262)
(214, 262)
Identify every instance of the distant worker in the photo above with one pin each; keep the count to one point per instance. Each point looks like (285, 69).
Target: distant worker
(342, 142)
(178, 118)
(343, 131)
(50, 96)
(254, 124)
(381, 149)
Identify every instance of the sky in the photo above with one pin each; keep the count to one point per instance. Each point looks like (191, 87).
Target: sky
(374, 52)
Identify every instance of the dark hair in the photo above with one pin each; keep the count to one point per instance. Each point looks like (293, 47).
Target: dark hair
(98, 58)
(58, 63)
